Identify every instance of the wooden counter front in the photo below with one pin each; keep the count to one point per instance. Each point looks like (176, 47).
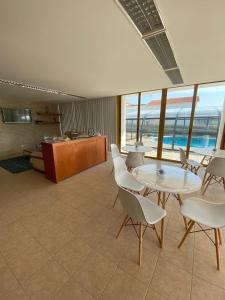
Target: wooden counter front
(65, 159)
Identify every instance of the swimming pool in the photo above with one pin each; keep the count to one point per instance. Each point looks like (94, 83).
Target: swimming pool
(196, 142)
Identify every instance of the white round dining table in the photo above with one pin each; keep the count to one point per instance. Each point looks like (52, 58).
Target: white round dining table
(166, 178)
(209, 152)
(137, 149)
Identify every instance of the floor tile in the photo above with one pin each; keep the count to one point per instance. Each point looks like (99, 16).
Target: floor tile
(28, 262)
(17, 294)
(130, 264)
(95, 273)
(203, 290)
(152, 295)
(46, 282)
(8, 281)
(182, 258)
(124, 287)
(72, 290)
(72, 255)
(171, 281)
(205, 268)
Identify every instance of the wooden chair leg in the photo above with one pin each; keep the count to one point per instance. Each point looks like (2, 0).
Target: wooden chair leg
(159, 198)
(202, 161)
(146, 192)
(186, 233)
(219, 235)
(204, 178)
(116, 199)
(140, 242)
(197, 169)
(217, 249)
(207, 182)
(162, 233)
(180, 202)
(162, 221)
(121, 227)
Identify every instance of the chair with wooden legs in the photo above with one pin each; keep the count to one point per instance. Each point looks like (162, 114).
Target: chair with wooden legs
(215, 173)
(114, 152)
(142, 213)
(189, 164)
(211, 215)
(124, 178)
(135, 159)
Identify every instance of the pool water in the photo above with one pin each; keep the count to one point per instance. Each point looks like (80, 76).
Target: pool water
(196, 142)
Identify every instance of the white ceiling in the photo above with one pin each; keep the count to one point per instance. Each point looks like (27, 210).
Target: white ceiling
(8, 92)
(89, 48)
(197, 34)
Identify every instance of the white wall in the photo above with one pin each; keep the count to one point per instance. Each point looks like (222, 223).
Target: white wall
(12, 136)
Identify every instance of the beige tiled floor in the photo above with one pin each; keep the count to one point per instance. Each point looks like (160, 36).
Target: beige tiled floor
(57, 241)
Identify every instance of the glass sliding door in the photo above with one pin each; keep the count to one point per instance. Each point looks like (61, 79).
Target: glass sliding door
(208, 118)
(129, 116)
(149, 120)
(177, 121)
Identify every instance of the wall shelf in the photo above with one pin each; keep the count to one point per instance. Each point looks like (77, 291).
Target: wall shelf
(46, 122)
(48, 114)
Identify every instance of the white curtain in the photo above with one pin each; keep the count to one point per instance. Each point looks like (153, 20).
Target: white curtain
(99, 114)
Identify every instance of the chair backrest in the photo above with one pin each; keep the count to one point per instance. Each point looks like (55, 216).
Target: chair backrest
(216, 167)
(114, 151)
(131, 205)
(119, 166)
(183, 158)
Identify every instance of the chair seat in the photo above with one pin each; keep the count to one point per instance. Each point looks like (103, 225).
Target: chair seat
(152, 212)
(193, 163)
(204, 212)
(128, 181)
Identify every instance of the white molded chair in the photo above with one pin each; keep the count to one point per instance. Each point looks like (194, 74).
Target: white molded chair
(114, 152)
(143, 213)
(215, 173)
(124, 178)
(190, 164)
(205, 213)
(135, 159)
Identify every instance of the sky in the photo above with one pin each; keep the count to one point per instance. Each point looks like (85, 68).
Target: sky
(208, 95)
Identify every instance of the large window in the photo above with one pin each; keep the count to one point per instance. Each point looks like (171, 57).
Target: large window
(129, 116)
(149, 120)
(193, 117)
(206, 131)
(177, 121)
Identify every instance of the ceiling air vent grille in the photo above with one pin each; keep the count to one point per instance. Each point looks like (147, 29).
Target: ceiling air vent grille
(175, 76)
(145, 16)
(160, 47)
